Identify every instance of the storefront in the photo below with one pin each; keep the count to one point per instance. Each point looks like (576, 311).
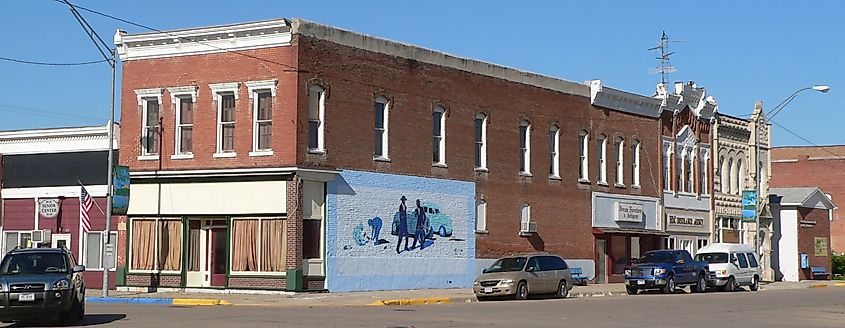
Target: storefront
(688, 230)
(624, 227)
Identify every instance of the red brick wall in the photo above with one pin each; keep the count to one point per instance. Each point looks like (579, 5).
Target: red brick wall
(828, 174)
(354, 78)
(153, 280)
(806, 238)
(201, 70)
(257, 283)
(293, 238)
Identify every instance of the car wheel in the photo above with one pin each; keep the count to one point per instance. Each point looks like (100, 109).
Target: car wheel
(562, 289)
(442, 231)
(755, 284)
(631, 290)
(701, 286)
(483, 298)
(521, 291)
(670, 286)
(730, 285)
(73, 315)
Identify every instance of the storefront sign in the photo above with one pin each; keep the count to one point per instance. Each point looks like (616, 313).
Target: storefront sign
(685, 221)
(48, 208)
(820, 246)
(629, 212)
(807, 223)
(749, 205)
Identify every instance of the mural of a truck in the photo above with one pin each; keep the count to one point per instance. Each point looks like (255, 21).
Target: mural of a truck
(438, 223)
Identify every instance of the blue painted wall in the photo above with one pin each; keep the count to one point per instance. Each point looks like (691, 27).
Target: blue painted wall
(358, 202)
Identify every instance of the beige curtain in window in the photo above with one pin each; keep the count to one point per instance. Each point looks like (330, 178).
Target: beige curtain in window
(143, 238)
(273, 245)
(169, 245)
(245, 245)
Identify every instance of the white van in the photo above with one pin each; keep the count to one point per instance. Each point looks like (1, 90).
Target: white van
(733, 265)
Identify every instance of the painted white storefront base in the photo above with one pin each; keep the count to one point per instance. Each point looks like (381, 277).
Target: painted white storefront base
(788, 258)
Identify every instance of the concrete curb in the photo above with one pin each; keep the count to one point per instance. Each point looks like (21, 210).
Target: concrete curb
(413, 301)
(170, 301)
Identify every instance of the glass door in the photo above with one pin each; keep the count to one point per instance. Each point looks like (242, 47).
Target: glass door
(601, 261)
(196, 276)
(218, 257)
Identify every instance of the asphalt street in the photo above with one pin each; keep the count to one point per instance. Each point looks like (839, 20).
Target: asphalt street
(817, 307)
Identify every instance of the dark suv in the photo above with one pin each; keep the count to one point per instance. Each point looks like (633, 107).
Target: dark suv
(38, 283)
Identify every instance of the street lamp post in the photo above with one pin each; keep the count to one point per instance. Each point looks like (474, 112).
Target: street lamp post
(776, 110)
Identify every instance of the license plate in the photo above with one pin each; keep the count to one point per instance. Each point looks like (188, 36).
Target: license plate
(640, 282)
(26, 297)
(488, 289)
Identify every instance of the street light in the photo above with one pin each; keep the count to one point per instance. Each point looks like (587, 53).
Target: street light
(777, 109)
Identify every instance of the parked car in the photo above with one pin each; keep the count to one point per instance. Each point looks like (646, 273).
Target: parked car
(519, 276)
(733, 265)
(666, 270)
(437, 222)
(39, 283)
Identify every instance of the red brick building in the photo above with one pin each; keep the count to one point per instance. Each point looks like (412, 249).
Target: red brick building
(288, 132)
(802, 218)
(824, 166)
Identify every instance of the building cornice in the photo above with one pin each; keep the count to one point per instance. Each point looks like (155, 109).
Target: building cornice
(623, 101)
(88, 138)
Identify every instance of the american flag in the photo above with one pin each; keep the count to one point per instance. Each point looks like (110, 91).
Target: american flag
(85, 203)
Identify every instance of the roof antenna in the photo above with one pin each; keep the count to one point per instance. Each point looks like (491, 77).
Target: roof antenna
(663, 55)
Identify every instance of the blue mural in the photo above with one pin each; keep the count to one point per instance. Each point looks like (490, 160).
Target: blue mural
(387, 231)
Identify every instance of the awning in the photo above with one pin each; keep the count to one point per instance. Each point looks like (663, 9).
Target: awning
(631, 231)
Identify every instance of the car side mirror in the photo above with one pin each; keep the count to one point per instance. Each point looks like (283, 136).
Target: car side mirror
(681, 261)
(79, 268)
(484, 270)
(529, 269)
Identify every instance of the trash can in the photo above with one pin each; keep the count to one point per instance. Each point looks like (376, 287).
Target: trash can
(294, 280)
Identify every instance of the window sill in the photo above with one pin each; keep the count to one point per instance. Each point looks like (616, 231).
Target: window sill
(182, 156)
(440, 165)
(317, 151)
(148, 158)
(381, 159)
(554, 177)
(619, 185)
(261, 153)
(602, 183)
(636, 186)
(585, 181)
(481, 170)
(224, 155)
(526, 174)
(482, 232)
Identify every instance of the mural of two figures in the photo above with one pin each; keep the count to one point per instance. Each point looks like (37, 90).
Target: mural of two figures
(419, 224)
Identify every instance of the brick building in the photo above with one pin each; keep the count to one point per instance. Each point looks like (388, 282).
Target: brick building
(40, 175)
(824, 166)
(802, 219)
(289, 154)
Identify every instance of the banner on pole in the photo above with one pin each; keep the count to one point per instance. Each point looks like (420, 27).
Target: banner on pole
(749, 205)
(120, 196)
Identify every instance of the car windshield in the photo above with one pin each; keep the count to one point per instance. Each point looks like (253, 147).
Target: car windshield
(36, 263)
(712, 257)
(507, 264)
(656, 257)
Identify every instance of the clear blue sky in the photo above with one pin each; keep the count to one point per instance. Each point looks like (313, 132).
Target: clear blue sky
(741, 51)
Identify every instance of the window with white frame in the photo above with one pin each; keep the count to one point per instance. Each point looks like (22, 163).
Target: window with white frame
(667, 171)
(635, 163)
(314, 198)
(669, 243)
(480, 141)
(381, 110)
(702, 169)
(183, 99)
(740, 175)
(481, 215)
(262, 94)
(602, 143)
(149, 104)
(155, 245)
(702, 242)
(721, 174)
(524, 147)
(732, 176)
(316, 118)
(438, 141)
(690, 171)
(12, 239)
(554, 152)
(620, 161)
(583, 151)
(225, 96)
(525, 213)
(93, 253)
(681, 162)
(258, 245)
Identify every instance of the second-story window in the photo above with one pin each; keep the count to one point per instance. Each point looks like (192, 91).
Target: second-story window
(380, 141)
(524, 147)
(583, 150)
(690, 171)
(481, 141)
(438, 142)
(702, 168)
(602, 143)
(184, 126)
(226, 123)
(149, 137)
(620, 160)
(263, 122)
(316, 118)
(635, 163)
(554, 151)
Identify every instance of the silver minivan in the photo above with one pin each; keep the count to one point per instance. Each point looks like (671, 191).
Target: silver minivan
(733, 265)
(522, 275)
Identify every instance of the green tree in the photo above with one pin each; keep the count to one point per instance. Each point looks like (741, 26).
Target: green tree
(838, 264)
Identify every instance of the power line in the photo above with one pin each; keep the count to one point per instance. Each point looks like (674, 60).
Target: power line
(805, 139)
(32, 62)
(45, 113)
(64, 2)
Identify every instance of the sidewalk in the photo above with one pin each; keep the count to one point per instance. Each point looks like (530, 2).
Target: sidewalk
(374, 298)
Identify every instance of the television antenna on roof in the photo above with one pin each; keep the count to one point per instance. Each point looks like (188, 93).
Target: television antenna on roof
(662, 49)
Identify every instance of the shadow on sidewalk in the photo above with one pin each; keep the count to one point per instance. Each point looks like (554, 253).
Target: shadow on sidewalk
(90, 320)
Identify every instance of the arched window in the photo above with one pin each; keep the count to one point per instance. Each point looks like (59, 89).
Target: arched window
(635, 163)
(554, 152)
(602, 143)
(438, 142)
(732, 176)
(620, 159)
(740, 175)
(380, 146)
(723, 173)
(583, 150)
(480, 141)
(316, 118)
(525, 147)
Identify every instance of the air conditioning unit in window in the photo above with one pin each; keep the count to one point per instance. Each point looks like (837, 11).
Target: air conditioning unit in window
(527, 228)
(41, 236)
